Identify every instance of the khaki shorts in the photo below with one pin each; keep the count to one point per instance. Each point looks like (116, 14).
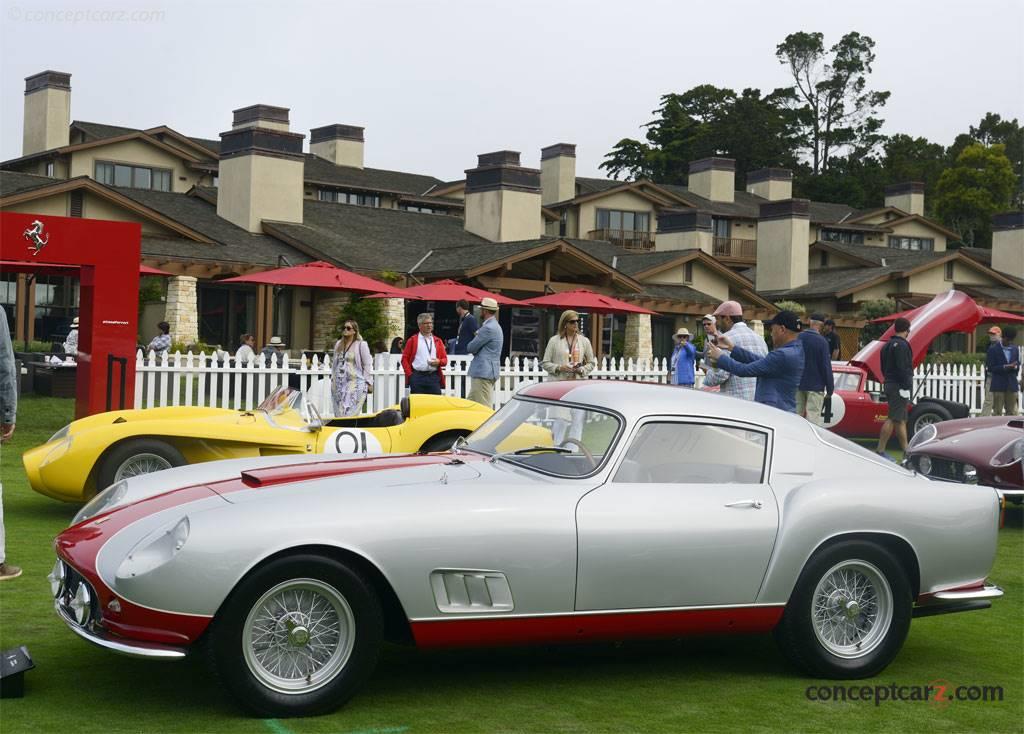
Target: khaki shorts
(809, 404)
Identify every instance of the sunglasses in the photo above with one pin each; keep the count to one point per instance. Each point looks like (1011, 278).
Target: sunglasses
(572, 321)
(348, 328)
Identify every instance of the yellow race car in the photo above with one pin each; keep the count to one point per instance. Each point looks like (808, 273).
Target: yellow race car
(95, 452)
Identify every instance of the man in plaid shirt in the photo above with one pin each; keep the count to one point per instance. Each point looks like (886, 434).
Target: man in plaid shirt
(161, 342)
(730, 320)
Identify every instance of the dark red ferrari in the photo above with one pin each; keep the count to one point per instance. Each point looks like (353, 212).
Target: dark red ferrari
(987, 451)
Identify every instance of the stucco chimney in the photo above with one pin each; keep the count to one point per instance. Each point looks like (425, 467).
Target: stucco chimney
(342, 145)
(773, 184)
(907, 196)
(47, 112)
(783, 230)
(713, 178)
(503, 198)
(557, 173)
(688, 229)
(1008, 243)
(261, 167)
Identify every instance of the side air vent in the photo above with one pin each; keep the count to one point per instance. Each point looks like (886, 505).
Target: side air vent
(460, 591)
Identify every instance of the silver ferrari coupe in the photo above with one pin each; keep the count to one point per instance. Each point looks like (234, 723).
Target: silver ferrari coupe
(580, 511)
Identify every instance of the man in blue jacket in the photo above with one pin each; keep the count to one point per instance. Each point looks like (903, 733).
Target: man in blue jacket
(778, 374)
(486, 350)
(1002, 360)
(816, 384)
(467, 327)
(683, 357)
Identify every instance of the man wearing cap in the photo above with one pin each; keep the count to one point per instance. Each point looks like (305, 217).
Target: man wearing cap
(897, 359)
(816, 383)
(71, 343)
(683, 357)
(730, 320)
(828, 330)
(1003, 362)
(778, 374)
(486, 350)
(995, 336)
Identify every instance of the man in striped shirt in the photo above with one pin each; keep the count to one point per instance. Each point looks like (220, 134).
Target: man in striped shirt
(730, 320)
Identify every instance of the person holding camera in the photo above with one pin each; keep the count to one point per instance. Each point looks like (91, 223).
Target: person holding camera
(684, 358)
(569, 355)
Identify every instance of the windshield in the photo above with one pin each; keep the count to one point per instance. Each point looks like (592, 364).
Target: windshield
(281, 400)
(551, 437)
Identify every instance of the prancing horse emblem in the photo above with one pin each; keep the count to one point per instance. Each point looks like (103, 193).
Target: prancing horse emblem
(34, 235)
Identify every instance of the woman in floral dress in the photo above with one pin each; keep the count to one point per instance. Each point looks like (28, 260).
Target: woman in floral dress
(351, 371)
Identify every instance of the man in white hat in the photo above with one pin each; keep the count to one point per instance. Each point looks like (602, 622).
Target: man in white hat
(683, 358)
(273, 349)
(71, 343)
(486, 350)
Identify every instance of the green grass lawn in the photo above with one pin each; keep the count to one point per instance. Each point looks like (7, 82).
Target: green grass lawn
(698, 685)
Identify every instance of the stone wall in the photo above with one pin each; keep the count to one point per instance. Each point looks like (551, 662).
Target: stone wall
(394, 312)
(182, 311)
(325, 317)
(638, 337)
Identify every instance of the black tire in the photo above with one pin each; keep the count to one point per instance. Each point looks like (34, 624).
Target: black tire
(442, 441)
(226, 643)
(925, 413)
(116, 456)
(796, 633)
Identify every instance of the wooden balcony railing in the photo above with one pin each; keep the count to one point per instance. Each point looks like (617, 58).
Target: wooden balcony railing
(629, 239)
(735, 247)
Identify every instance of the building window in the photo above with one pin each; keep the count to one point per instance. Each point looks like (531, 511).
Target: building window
(419, 209)
(842, 235)
(56, 304)
(348, 197)
(563, 223)
(76, 201)
(721, 228)
(823, 259)
(917, 244)
(133, 177)
(49, 169)
(616, 219)
(949, 271)
(688, 272)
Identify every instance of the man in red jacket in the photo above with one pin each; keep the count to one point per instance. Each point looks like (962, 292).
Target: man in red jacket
(423, 358)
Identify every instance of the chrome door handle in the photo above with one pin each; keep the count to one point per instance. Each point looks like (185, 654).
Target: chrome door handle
(756, 504)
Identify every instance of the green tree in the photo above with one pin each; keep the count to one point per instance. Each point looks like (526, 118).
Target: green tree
(872, 310)
(756, 130)
(992, 130)
(369, 314)
(980, 184)
(834, 106)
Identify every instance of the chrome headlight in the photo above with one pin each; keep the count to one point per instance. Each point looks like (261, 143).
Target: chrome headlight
(57, 578)
(81, 604)
(1008, 454)
(923, 436)
(970, 474)
(155, 549)
(109, 497)
(924, 464)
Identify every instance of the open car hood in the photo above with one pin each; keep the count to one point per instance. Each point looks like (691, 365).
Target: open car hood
(949, 311)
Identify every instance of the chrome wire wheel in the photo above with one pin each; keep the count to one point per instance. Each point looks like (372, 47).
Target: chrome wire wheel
(851, 609)
(298, 636)
(138, 464)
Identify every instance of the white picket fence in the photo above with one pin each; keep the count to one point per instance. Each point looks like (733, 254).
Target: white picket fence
(212, 381)
(209, 380)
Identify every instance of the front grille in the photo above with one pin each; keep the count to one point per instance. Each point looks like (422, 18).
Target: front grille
(947, 469)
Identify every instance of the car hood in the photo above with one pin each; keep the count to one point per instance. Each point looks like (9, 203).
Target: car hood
(974, 440)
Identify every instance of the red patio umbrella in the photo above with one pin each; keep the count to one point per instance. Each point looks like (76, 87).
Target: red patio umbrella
(320, 274)
(584, 300)
(146, 270)
(452, 290)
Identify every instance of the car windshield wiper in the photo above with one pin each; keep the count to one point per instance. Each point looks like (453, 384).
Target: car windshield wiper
(530, 450)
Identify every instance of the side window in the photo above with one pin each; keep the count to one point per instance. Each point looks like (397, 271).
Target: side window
(694, 453)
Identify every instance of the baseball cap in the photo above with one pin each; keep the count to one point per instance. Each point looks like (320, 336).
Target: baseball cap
(817, 317)
(729, 308)
(708, 317)
(786, 319)
(995, 330)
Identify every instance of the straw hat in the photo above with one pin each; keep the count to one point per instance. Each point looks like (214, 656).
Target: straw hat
(683, 332)
(74, 323)
(489, 304)
(276, 341)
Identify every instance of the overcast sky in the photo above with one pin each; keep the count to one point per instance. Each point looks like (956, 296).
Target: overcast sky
(436, 83)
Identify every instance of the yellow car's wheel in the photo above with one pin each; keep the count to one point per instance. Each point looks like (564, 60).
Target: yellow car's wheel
(137, 456)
